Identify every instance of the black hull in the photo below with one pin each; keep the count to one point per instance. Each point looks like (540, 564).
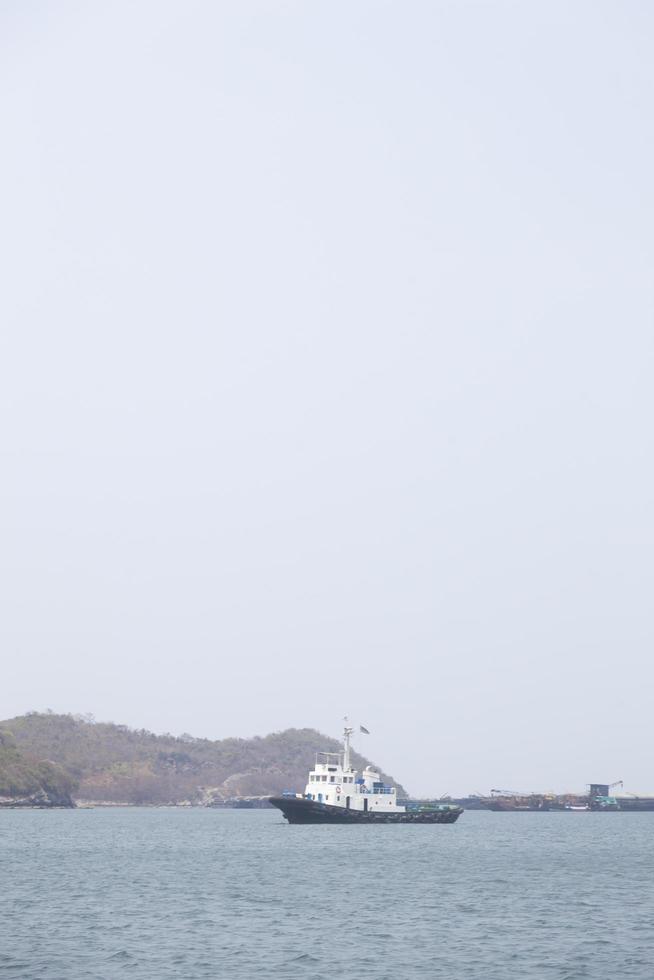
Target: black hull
(299, 810)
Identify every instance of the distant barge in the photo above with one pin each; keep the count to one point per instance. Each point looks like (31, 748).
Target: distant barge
(337, 794)
(598, 800)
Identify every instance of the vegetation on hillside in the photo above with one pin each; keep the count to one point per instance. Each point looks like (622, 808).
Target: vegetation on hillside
(114, 763)
(24, 779)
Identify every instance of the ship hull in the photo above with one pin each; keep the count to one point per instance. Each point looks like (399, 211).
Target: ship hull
(298, 810)
(643, 804)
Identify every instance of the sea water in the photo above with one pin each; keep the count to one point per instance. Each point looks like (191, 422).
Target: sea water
(193, 893)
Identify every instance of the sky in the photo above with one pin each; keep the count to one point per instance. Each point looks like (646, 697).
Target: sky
(326, 363)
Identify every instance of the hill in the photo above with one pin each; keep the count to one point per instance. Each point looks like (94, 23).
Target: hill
(111, 763)
(27, 781)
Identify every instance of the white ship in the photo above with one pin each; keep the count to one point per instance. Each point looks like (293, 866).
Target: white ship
(337, 793)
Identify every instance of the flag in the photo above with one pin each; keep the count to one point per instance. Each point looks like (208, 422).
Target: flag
(364, 730)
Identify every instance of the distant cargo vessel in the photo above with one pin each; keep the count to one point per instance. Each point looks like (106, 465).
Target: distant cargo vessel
(598, 800)
(626, 804)
(522, 804)
(336, 793)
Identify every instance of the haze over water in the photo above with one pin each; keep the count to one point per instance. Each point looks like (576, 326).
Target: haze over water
(204, 894)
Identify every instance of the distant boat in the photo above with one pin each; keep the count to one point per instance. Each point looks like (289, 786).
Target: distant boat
(598, 800)
(336, 793)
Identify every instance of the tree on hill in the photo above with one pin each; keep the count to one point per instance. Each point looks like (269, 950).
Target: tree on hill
(25, 780)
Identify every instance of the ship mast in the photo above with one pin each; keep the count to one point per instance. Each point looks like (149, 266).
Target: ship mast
(347, 734)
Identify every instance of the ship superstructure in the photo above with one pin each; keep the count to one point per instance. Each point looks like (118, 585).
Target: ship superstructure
(333, 781)
(337, 793)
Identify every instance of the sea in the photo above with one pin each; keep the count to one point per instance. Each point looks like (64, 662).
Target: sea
(165, 893)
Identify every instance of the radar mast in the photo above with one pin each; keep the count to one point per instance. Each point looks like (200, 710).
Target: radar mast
(347, 735)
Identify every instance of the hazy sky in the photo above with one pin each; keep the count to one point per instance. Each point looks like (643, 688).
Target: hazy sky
(326, 377)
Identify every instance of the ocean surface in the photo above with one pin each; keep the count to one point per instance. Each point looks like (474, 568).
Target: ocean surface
(195, 894)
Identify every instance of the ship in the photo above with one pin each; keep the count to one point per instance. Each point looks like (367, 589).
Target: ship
(519, 804)
(598, 800)
(336, 793)
(601, 800)
(508, 801)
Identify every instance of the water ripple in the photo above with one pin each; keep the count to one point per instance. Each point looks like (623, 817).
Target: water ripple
(206, 895)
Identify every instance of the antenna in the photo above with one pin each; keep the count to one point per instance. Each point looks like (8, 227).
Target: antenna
(347, 735)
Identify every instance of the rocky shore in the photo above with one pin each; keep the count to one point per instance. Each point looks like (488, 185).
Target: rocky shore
(41, 800)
